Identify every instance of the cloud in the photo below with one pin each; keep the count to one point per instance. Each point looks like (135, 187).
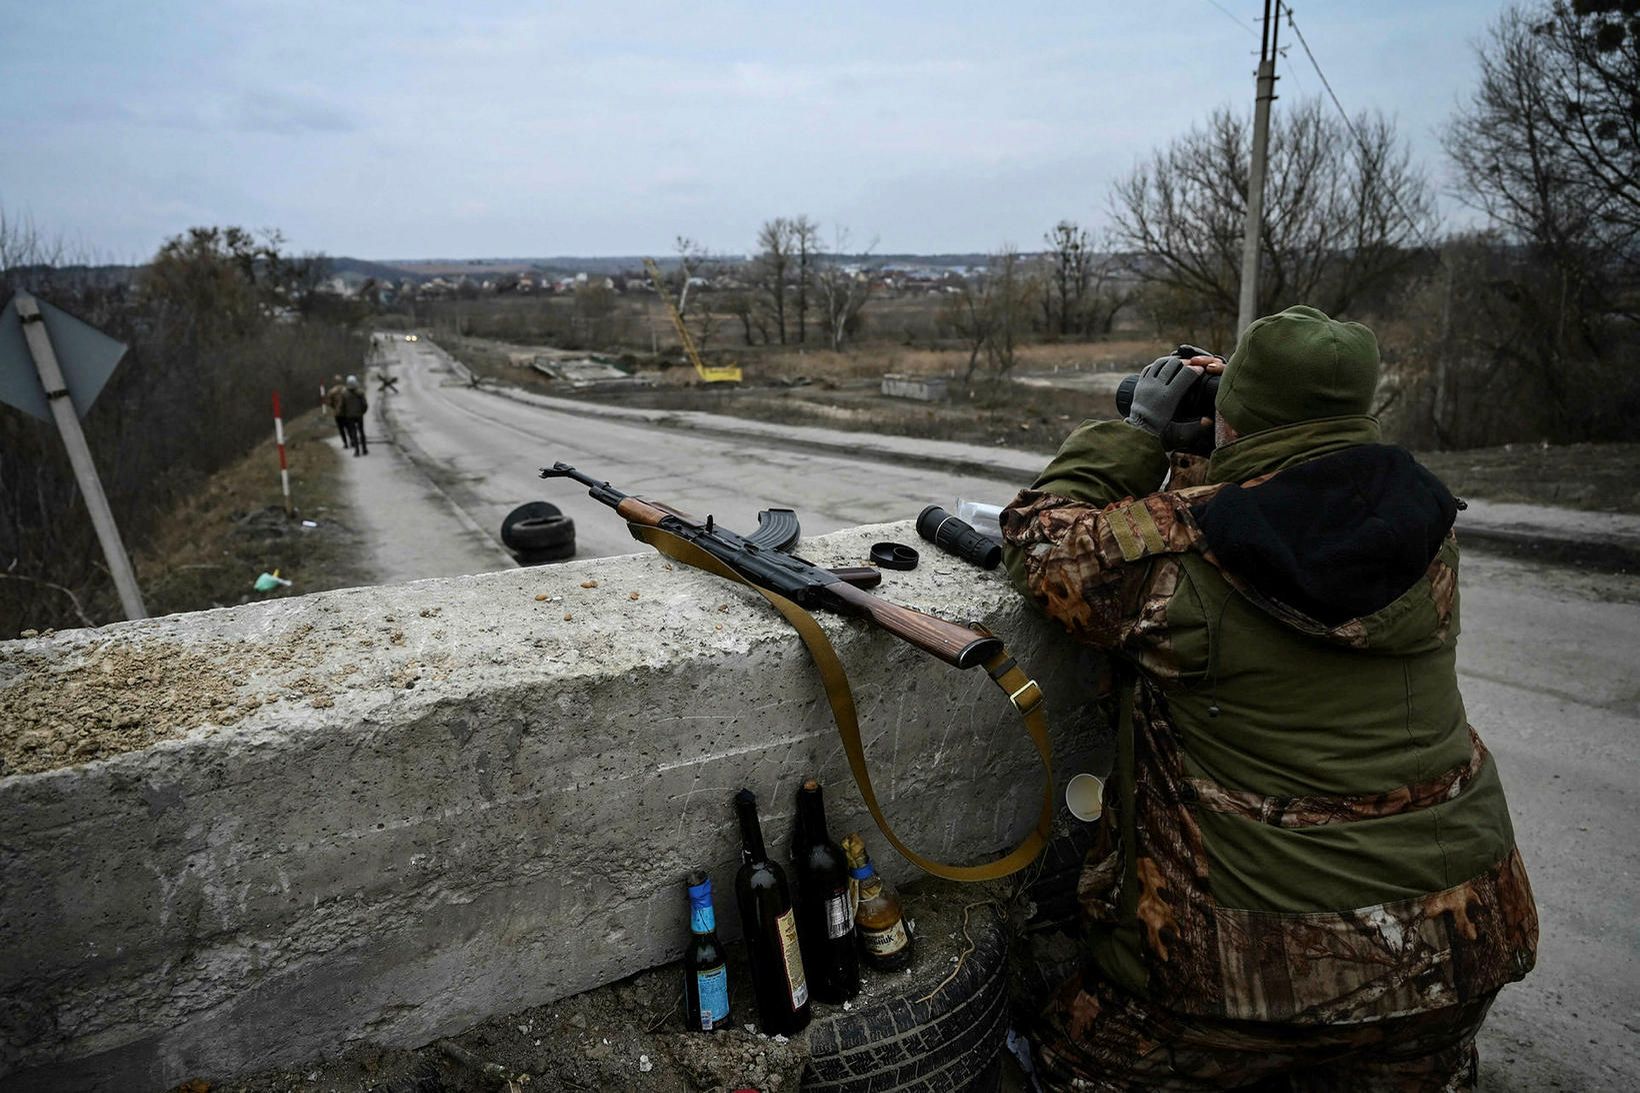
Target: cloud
(285, 114)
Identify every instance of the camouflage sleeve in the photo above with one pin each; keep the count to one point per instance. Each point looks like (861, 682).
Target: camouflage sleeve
(1057, 543)
(1104, 461)
(1065, 557)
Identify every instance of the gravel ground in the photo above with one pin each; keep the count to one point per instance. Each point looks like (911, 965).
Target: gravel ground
(630, 1035)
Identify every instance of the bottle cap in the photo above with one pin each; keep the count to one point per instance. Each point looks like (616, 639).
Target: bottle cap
(700, 889)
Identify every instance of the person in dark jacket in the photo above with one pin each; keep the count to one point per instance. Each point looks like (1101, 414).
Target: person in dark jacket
(1305, 870)
(333, 407)
(353, 408)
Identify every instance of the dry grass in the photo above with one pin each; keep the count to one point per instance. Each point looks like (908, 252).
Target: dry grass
(209, 550)
(1599, 477)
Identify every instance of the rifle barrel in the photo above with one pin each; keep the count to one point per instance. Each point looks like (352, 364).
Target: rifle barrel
(601, 491)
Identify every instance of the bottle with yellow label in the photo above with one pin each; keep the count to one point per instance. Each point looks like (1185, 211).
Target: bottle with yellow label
(829, 954)
(879, 918)
(770, 930)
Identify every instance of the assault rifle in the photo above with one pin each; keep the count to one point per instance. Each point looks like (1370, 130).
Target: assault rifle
(763, 559)
(792, 585)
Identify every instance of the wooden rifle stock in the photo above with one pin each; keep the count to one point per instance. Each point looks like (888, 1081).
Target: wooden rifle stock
(638, 511)
(952, 642)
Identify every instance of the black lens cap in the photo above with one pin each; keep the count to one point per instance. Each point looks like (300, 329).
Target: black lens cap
(893, 556)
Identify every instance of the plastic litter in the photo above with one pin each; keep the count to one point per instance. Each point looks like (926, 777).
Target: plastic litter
(983, 518)
(267, 582)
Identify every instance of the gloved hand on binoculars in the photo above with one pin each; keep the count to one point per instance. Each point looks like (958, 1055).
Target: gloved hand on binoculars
(1163, 385)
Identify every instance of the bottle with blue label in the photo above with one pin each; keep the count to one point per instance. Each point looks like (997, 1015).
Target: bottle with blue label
(705, 975)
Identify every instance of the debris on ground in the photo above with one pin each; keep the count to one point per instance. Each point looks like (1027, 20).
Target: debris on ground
(627, 1035)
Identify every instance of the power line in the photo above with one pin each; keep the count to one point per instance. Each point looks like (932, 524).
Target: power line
(1238, 20)
(1349, 123)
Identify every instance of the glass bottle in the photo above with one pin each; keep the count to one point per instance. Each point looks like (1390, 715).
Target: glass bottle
(770, 930)
(879, 917)
(823, 920)
(705, 972)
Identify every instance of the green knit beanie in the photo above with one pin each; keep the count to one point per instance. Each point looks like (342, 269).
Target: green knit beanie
(1298, 365)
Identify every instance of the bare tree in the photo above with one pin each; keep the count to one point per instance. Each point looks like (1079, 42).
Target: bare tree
(1070, 257)
(843, 290)
(1548, 145)
(1343, 207)
(774, 258)
(1547, 148)
(1013, 292)
(806, 239)
(694, 263)
(991, 312)
(968, 313)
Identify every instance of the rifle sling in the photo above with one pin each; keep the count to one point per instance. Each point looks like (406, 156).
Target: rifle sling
(1003, 670)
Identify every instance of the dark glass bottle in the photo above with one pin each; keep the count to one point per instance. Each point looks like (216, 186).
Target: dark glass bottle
(825, 923)
(770, 930)
(879, 918)
(705, 974)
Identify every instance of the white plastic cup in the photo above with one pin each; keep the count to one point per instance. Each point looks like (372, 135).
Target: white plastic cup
(1084, 796)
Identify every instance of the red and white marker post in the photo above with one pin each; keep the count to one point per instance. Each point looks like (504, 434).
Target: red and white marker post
(284, 465)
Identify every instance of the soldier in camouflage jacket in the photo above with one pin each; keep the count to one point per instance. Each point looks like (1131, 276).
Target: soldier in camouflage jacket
(1305, 868)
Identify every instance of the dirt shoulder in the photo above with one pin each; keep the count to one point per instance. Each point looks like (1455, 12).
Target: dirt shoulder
(212, 548)
(1596, 477)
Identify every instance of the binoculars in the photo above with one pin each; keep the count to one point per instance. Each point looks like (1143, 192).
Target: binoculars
(1198, 401)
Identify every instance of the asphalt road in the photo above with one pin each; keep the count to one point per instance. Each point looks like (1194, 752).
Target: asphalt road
(484, 452)
(1548, 664)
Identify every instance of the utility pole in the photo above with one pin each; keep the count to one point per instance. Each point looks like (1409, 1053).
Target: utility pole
(79, 454)
(1255, 172)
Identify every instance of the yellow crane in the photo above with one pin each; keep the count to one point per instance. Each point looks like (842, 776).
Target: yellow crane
(709, 373)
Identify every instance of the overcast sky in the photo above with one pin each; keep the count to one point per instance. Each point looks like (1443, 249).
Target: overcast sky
(400, 130)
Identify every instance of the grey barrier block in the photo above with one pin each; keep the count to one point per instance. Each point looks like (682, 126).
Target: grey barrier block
(383, 814)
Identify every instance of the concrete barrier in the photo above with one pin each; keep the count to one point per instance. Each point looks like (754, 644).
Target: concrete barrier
(921, 388)
(246, 838)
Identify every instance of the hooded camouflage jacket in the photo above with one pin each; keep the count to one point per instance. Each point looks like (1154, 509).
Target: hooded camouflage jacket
(1301, 825)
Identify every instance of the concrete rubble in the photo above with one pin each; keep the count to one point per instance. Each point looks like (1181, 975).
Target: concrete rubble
(270, 833)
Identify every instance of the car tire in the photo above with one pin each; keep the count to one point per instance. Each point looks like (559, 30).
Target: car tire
(561, 553)
(903, 1044)
(531, 511)
(540, 533)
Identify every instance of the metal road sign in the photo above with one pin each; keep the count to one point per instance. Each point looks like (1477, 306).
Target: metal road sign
(86, 355)
(53, 366)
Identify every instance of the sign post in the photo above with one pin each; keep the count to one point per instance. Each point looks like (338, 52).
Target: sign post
(284, 465)
(96, 354)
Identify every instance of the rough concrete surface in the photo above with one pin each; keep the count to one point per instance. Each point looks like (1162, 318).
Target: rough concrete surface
(458, 798)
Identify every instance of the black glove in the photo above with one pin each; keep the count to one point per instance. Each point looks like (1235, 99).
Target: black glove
(1162, 387)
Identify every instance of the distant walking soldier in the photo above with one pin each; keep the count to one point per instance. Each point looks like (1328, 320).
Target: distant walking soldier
(333, 406)
(353, 407)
